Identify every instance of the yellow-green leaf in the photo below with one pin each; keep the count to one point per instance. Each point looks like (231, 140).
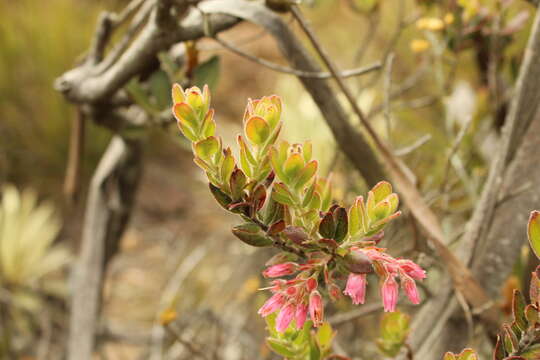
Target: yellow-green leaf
(177, 94)
(257, 130)
(306, 174)
(381, 190)
(534, 232)
(207, 148)
(292, 166)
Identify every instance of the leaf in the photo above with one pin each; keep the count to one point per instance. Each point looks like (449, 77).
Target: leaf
(160, 89)
(325, 334)
(227, 167)
(534, 232)
(327, 226)
(257, 130)
(237, 182)
(342, 224)
(379, 211)
(498, 352)
(252, 234)
(531, 353)
(292, 167)
(306, 174)
(280, 347)
(381, 190)
(206, 149)
(207, 73)
(223, 199)
(534, 288)
(531, 314)
(208, 125)
(296, 234)
(281, 194)
(185, 114)
(518, 310)
(177, 94)
(140, 97)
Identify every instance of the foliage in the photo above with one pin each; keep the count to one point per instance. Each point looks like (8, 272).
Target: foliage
(27, 253)
(284, 203)
(394, 331)
(520, 339)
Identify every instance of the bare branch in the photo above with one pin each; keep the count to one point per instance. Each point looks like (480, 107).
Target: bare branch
(288, 70)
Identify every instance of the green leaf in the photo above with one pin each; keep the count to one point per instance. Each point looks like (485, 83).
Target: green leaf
(306, 174)
(206, 149)
(394, 332)
(257, 130)
(223, 199)
(252, 234)
(532, 352)
(160, 89)
(207, 73)
(140, 97)
(281, 347)
(227, 167)
(208, 125)
(381, 190)
(281, 194)
(518, 310)
(534, 232)
(531, 314)
(292, 167)
(185, 114)
(177, 94)
(379, 211)
(325, 334)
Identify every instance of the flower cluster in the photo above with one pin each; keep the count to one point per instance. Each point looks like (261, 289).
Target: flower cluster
(284, 203)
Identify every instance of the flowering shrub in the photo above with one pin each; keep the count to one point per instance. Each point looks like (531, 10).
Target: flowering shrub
(274, 187)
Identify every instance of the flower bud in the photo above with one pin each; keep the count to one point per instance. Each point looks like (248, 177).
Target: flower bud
(285, 317)
(278, 270)
(271, 305)
(389, 293)
(316, 309)
(301, 315)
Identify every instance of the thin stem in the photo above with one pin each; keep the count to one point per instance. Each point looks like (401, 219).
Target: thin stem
(296, 72)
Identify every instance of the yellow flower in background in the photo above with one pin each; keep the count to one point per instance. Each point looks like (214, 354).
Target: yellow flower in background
(430, 23)
(167, 316)
(449, 18)
(419, 45)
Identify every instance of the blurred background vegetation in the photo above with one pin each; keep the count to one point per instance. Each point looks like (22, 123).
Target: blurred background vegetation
(178, 253)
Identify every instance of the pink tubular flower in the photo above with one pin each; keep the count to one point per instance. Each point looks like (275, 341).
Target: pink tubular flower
(412, 269)
(271, 305)
(301, 315)
(278, 270)
(409, 286)
(389, 293)
(316, 310)
(285, 317)
(356, 288)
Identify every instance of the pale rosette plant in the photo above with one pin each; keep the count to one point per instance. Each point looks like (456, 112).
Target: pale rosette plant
(284, 203)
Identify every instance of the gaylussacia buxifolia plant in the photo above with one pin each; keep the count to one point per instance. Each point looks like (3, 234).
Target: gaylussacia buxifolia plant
(519, 339)
(274, 187)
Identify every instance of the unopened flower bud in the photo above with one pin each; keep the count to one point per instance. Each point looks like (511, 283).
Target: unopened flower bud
(316, 309)
(278, 270)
